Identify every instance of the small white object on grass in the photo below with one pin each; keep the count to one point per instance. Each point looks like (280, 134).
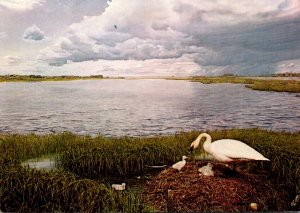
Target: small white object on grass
(180, 164)
(206, 170)
(119, 187)
(253, 206)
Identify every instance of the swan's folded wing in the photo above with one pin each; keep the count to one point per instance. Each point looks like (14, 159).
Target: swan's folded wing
(235, 149)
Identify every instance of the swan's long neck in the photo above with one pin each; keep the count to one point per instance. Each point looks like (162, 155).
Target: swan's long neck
(206, 144)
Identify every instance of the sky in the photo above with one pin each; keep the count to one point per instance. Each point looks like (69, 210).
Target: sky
(149, 38)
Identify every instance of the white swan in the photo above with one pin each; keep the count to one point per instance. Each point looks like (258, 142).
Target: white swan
(180, 164)
(227, 150)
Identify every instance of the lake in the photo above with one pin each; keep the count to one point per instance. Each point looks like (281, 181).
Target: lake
(141, 107)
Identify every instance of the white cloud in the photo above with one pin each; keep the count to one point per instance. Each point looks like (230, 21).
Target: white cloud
(21, 5)
(33, 33)
(10, 61)
(3, 35)
(288, 66)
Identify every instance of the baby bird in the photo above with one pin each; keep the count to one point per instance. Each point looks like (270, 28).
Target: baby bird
(207, 170)
(118, 187)
(180, 164)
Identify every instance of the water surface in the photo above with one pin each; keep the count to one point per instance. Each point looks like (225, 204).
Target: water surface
(141, 107)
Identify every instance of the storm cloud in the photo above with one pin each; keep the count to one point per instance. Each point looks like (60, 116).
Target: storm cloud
(247, 42)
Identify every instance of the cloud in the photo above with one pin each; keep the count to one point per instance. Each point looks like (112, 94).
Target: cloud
(33, 33)
(3, 35)
(246, 37)
(21, 5)
(288, 66)
(12, 60)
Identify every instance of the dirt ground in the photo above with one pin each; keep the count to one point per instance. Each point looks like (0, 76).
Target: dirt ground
(228, 190)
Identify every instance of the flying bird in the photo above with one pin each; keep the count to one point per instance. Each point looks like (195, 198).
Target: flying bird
(180, 164)
(115, 26)
(227, 150)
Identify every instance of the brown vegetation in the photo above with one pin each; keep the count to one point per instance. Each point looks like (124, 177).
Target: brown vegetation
(227, 191)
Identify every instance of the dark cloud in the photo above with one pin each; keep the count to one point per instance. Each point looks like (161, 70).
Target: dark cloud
(33, 33)
(252, 48)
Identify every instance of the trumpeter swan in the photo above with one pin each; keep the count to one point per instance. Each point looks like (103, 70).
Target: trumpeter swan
(180, 164)
(227, 150)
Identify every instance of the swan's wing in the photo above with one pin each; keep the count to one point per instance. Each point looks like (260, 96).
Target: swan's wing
(235, 149)
(179, 165)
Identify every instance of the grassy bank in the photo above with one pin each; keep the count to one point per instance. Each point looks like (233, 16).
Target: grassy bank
(85, 159)
(276, 85)
(37, 78)
(263, 84)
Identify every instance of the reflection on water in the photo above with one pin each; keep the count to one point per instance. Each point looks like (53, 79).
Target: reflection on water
(142, 107)
(40, 163)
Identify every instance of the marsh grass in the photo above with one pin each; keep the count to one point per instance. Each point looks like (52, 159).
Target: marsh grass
(123, 156)
(276, 85)
(27, 190)
(84, 159)
(252, 83)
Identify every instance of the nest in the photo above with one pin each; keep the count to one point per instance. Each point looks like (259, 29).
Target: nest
(228, 190)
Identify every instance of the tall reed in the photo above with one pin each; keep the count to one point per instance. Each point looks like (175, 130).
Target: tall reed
(29, 190)
(123, 156)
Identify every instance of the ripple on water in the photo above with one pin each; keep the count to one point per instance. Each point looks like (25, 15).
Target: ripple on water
(143, 107)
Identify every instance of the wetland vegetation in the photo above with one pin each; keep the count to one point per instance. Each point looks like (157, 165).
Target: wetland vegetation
(37, 78)
(84, 162)
(260, 83)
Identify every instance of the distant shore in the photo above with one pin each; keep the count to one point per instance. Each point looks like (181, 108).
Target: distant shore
(276, 83)
(37, 78)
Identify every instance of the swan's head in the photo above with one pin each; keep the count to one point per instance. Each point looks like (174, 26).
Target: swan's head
(184, 157)
(196, 142)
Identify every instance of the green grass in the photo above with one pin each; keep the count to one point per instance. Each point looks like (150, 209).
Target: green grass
(84, 159)
(252, 83)
(37, 78)
(276, 85)
(28, 190)
(123, 156)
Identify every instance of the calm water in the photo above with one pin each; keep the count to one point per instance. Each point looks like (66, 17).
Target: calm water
(142, 107)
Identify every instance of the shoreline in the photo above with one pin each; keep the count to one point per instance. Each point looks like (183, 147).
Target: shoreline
(289, 84)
